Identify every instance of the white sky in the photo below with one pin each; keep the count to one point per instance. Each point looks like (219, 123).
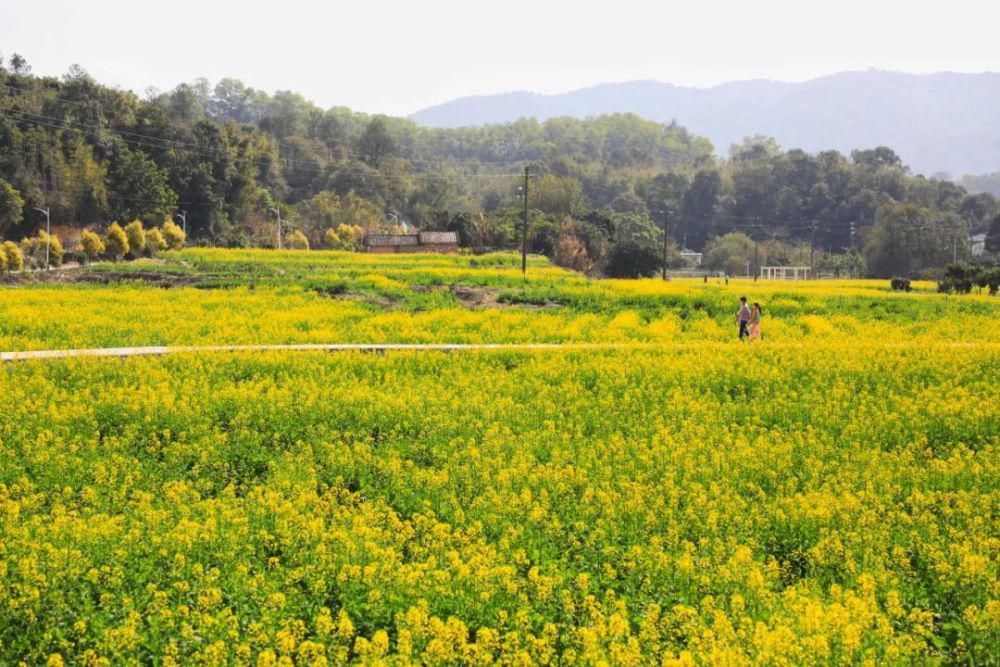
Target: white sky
(397, 57)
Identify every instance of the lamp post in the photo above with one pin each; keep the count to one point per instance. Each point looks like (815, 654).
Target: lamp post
(183, 215)
(48, 233)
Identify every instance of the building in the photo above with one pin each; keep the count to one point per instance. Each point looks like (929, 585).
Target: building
(785, 272)
(691, 259)
(977, 245)
(413, 242)
(439, 241)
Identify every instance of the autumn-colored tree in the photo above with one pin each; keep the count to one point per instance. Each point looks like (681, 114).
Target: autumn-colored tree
(117, 241)
(173, 235)
(298, 241)
(136, 237)
(91, 246)
(155, 242)
(34, 249)
(13, 256)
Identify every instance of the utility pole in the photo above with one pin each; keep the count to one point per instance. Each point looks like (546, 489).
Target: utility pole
(277, 212)
(666, 219)
(48, 233)
(812, 251)
(183, 215)
(524, 227)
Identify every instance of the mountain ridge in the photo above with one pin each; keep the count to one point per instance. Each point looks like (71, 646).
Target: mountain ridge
(939, 122)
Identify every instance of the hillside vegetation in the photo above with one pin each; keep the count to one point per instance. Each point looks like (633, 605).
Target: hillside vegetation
(603, 190)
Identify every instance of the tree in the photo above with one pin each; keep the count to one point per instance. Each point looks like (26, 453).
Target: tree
(343, 237)
(173, 235)
(376, 143)
(136, 237)
(34, 249)
(91, 246)
(117, 241)
(155, 242)
(298, 241)
(557, 195)
(139, 189)
(570, 250)
(908, 238)
(730, 253)
(699, 205)
(993, 236)
(636, 249)
(13, 255)
(11, 206)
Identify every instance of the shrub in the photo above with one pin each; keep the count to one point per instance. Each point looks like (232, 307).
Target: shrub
(155, 242)
(13, 256)
(343, 237)
(117, 241)
(173, 235)
(136, 237)
(298, 241)
(91, 246)
(34, 250)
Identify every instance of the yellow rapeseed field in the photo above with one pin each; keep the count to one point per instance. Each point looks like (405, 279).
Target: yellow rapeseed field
(828, 495)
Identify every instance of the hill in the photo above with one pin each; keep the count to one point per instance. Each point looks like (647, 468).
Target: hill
(941, 122)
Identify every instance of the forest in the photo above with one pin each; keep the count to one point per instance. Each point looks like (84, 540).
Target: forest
(224, 159)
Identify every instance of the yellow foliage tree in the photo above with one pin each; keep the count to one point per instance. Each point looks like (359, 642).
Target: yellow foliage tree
(298, 241)
(117, 241)
(91, 246)
(136, 237)
(173, 235)
(155, 242)
(13, 256)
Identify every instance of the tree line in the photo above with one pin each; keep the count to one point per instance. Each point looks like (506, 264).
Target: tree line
(602, 191)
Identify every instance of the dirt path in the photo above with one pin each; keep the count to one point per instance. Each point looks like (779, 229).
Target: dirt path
(381, 348)
(122, 352)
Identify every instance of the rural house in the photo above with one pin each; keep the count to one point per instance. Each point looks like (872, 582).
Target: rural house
(416, 242)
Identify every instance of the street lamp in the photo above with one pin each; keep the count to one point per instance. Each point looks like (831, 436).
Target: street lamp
(183, 215)
(48, 234)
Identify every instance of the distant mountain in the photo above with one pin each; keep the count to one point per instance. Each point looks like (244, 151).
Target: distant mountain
(942, 122)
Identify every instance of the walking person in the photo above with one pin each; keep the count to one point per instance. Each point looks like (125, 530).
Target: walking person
(743, 317)
(754, 321)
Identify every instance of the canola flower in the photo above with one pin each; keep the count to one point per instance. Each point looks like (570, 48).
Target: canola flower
(247, 297)
(827, 497)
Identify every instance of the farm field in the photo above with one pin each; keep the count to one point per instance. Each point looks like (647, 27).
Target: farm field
(827, 496)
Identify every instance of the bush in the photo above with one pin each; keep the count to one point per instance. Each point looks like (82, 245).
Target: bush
(136, 237)
(117, 241)
(91, 246)
(173, 235)
(34, 250)
(343, 237)
(298, 241)
(155, 242)
(14, 258)
(989, 278)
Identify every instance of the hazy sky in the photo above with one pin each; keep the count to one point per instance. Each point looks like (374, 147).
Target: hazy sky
(397, 57)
